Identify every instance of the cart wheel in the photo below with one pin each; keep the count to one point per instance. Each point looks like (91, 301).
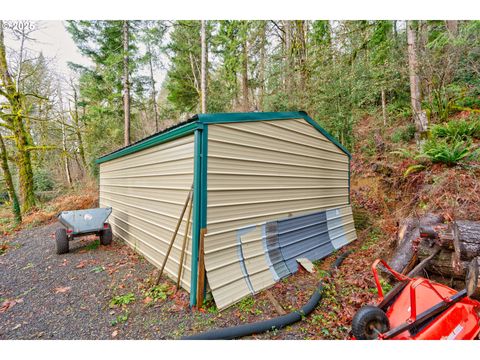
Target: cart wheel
(369, 322)
(106, 235)
(61, 241)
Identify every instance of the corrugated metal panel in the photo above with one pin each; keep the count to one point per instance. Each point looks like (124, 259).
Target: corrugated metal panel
(304, 236)
(147, 191)
(260, 172)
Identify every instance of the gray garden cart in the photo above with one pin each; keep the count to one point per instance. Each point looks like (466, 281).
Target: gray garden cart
(81, 223)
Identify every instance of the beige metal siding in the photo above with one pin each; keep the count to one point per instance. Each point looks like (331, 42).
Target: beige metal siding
(258, 172)
(147, 191)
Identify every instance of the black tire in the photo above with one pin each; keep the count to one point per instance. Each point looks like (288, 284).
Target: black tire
(61, 241)
(106, 236)
(368, 322)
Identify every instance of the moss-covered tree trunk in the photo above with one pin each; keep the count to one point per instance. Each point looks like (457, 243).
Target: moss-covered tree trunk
(14, 121)
(7, 175)
(24, 164)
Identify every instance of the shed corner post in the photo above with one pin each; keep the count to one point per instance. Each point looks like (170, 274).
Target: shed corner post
(197, 210)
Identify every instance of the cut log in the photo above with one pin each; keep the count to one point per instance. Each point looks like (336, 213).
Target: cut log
(404, 258)
(424, 263)
(460, 243)
(466, 239)
(442, 263)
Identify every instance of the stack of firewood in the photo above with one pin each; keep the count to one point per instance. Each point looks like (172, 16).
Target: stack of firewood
(451, 246)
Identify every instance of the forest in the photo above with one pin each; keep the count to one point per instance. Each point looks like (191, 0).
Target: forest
(339, 72)
(402, 96)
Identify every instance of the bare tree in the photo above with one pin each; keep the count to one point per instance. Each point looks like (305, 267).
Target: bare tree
(152, 84)
(419, 115)
(126, 84)
(203, 80)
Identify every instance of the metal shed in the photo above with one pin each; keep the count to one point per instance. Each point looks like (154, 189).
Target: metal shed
(268, 188)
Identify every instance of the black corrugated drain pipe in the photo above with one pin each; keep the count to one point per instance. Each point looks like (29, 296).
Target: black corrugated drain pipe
(277, 323)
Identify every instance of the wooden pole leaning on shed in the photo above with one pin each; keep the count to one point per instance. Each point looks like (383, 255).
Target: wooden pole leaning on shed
(184, 245)
(201, 269)
(174, 235)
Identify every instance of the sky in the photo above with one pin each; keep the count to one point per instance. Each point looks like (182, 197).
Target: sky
(54, 41)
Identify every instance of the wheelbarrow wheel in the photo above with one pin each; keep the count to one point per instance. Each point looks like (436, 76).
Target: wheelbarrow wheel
(61, 241)
(106, 235)
(369, 322)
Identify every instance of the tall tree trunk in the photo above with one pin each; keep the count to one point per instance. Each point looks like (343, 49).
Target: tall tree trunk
(245, 104)
(288, 56)
(7, 175)
(15, 121)
(203, 80)
(419, 116)
(78, 133)
(261, 72)
(20, 59)
(302, 50)
(452, 27)
(64, 138)
(65, 155)
(126, 85)
(154, 92)
(384, 108)
(24, 162)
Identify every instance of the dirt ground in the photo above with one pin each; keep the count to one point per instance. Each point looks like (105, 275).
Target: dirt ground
(72, 296)
(102, 292)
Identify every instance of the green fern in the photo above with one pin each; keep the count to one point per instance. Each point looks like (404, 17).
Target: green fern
(449, 153)
(460, 129)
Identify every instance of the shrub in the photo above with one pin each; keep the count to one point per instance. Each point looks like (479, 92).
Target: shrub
(158, 292)
(457, 129)
(447, 152)
(121, 300)
(43, 180)
(404, 134)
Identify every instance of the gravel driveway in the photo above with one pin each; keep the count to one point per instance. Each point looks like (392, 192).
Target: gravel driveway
(49, 296)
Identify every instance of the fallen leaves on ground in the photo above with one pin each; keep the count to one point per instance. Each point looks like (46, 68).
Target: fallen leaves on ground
(80, 265)
(64, 263)
(61, 290)
(7, 304)
(115, 333)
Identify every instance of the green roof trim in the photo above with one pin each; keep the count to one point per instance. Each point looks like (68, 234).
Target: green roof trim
(157, 139)
(199, 120)
(219, 118)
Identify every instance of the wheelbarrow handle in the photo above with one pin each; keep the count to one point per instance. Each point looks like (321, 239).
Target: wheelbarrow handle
(397, 275)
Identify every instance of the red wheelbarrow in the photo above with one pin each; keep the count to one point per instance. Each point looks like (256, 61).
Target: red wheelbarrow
(421, 309)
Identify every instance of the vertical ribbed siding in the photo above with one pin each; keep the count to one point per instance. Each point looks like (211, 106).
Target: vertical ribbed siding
(147, 191)
(260, 172)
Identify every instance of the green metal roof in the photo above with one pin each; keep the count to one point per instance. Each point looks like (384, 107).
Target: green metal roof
(199, 120)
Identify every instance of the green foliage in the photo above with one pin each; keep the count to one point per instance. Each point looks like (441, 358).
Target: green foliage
(449, 153)
(386, 287)
(247, 305)
(462, 129)
(158, 292)
(122, 318)
(92, 245)
(122, 300)
(43, 180)
(183, 83)
(361, 218)
(405, 134)
(373, 237)
(97, 269)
